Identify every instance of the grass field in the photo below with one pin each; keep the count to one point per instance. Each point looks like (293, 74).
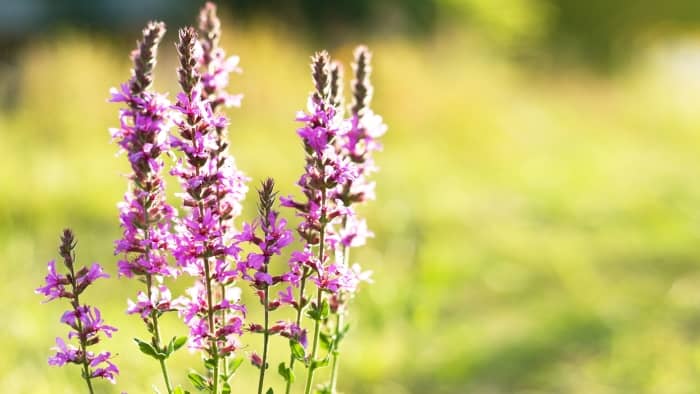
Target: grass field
(536, 232)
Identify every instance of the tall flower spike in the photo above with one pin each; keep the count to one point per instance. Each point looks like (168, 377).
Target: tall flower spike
(320, 73)
(357, 145)
(213, 189)
(188, 53)
(145, 215)
(209, 28)
(336, 98)
(271, 238)
(215, 65)
(324, 171)
(144, 57)
(85, 321)
(362, 89)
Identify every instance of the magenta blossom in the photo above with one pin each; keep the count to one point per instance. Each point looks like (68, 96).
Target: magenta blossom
(86, 323)
(204, 236)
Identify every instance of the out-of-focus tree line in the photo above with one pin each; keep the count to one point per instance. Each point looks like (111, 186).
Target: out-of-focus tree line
(597, 32)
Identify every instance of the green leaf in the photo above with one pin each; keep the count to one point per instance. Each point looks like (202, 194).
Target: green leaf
(197, 380)
(148, 349)
(343, 332)
(326, 341)
(178, 342)
(234, 364)
(210, 363)
(269, 391)
(180, 390)
(325, 310)
(319, 363)
(226, 389)
(286, 373)
(312, 313)
(298, 351)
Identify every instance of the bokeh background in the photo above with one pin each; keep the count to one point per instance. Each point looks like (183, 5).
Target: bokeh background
(538, 214)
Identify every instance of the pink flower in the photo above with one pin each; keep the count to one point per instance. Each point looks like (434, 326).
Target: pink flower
(160, 301)
(55, 284)
(64, 354)
(85, 321)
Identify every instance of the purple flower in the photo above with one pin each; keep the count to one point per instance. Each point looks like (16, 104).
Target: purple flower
(194, 311)
(286, 297)
(109, 371)
(86, 323)
(213, 190)
(64, 354)
(325, 171)
(144, 214)
(55, 284)
(160, 301)
(268, 234)
(88, 276)
(214, 63)
(256, 360)
(357, 144)
(290, 330)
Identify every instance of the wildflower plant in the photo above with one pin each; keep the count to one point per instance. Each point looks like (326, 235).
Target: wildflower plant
(199, 244)
(357, 143)
(85, 321)
(145, 215)
(268, 235)
(204, 243)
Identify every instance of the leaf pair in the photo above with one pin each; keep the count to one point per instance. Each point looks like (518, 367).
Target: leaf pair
(154, 351)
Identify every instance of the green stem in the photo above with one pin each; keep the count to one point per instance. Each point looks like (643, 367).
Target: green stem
(319, 293)
(336, 353)
(314, 348)
(338, 325)
(86, 370)
(224, 363)
(154, 313)
(210, 317)
(302, 285)
(265, 340)
(83, 342)
(156, 337)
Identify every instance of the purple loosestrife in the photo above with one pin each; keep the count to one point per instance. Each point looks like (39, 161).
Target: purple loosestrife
(213, 190)
(214, 64)
(320, 209)
(144, 214)
(85, 321)
(273, 237)
(215, 67)
(357, 144)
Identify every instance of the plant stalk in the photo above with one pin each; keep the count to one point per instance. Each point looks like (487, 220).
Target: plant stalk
(265, 340)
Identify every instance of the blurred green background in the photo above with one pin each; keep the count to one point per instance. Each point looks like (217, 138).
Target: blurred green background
(538, 214)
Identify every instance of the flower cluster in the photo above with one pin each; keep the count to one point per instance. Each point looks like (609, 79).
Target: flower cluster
(202, 239)
(357, 144)
(85, 321)
(325, 170)
(267, 236)
(338, 164)
(273, 238)
(145, 215)
(321, 210)
(213, 190)
(215, 66)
